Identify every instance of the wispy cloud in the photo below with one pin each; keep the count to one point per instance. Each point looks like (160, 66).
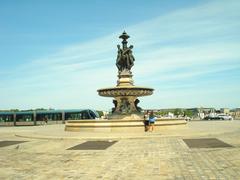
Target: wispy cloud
(183, 46)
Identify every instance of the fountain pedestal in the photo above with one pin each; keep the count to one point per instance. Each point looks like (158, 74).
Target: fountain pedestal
(125, 79)
(125, 96)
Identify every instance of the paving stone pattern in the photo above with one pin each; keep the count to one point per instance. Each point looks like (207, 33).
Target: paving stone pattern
(9, 143)
(147, 158)
(164, 158)
(93, 145)
(206, 143)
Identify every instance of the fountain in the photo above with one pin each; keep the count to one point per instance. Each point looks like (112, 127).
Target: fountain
(126, 115)
(125, 94)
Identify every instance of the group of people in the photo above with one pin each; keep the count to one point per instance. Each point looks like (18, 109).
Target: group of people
(149, 120)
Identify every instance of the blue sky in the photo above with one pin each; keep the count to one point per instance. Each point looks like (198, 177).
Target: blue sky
(58, 53)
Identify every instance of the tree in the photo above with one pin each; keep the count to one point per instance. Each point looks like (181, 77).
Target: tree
(188, 113)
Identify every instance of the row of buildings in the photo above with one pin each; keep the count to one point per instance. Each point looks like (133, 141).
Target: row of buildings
(197, 113)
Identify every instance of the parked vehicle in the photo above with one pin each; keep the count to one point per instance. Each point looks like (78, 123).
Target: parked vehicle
(188, 118)
(225, 117)
(219, 117)
(213, 118)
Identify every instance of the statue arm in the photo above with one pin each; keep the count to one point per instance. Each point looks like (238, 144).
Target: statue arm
(118, 46)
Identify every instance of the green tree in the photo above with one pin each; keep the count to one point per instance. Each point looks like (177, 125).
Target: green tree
(188, 113)
(100, 113)
(177, 112)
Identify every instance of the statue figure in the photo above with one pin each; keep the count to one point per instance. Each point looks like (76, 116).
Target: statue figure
(136, 105)
(124, 106)
(115, 106)
(125, 59)
(119, 63)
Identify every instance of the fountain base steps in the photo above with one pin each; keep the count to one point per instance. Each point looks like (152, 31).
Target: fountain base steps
(120, 125)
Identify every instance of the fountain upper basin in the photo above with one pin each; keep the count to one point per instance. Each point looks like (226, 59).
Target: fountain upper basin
(125, 91)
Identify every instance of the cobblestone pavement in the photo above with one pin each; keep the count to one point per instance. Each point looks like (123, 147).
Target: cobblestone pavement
(155, 157)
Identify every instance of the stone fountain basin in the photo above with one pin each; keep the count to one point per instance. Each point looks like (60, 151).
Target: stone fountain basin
(129, 126)
(125, 91)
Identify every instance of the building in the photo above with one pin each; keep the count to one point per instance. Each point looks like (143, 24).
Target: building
(235, 113)
(225, 110)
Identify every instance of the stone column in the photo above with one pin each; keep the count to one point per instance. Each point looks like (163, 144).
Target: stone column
(125, 79)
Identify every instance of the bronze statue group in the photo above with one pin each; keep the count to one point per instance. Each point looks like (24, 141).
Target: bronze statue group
(125, 59)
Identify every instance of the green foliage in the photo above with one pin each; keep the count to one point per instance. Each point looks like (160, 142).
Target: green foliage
(177, 112)
(11, 110)
(100, 113)
(162, 113)
(41, 109)
(188, 113)
(14, 110)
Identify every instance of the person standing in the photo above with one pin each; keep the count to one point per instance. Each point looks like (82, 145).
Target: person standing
(45, 120)
(152, 120)
(146, 121)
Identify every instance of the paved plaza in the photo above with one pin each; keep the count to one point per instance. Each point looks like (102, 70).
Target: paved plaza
(48, 152)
